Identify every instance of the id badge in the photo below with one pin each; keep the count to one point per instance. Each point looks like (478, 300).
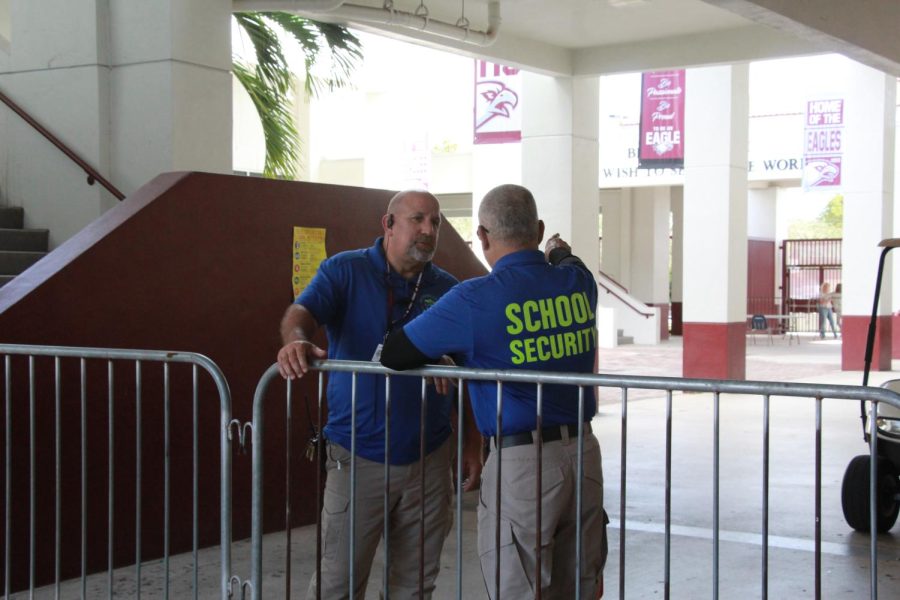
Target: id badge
(377, 356)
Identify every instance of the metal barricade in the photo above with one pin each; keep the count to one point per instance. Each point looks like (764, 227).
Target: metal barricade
(50, 401)
(817, 393)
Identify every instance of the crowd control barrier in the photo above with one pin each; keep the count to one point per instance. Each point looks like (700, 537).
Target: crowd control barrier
(92, 435)
(767, 392)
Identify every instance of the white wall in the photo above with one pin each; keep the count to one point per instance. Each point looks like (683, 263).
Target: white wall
(134, 88)
(761, 213)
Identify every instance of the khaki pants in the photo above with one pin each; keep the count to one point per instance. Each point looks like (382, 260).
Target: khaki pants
(405, 505)
(518, 520)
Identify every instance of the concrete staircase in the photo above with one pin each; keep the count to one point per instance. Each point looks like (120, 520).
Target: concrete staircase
(19, 248)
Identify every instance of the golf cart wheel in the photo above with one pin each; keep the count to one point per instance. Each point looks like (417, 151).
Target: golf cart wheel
(855, 494)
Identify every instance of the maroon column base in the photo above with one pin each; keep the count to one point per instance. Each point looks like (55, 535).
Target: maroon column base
(854, 330)
(663, 320)
(677, 328)
(715, 350)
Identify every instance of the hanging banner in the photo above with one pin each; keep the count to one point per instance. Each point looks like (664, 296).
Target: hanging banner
(308, 252)
(822, 144)
(661, 142)
(498, 107)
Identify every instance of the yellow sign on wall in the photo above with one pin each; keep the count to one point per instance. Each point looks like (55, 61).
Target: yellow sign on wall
(308, 252)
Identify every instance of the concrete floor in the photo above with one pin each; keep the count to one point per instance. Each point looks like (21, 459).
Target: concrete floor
(845, 571)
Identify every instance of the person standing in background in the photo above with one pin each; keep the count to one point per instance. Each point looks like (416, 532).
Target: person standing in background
(826, 310)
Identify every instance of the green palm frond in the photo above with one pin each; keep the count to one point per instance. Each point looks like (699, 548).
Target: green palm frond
(271, 64)
(314, 38)
(269, 81)
(280, 133)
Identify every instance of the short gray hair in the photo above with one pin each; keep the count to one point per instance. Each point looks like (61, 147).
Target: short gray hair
(509, 213)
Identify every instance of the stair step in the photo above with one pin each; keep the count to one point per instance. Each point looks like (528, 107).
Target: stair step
(12, 217)
(14, 262)
(29, 240)
(625, 339)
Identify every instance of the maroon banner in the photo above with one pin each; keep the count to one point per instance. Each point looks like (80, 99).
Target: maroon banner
(662, 120)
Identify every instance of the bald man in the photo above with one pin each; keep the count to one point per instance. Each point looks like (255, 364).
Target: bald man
(360, 296)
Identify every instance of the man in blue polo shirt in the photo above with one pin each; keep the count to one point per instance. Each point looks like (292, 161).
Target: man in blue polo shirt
(360, 296)
(528, 313)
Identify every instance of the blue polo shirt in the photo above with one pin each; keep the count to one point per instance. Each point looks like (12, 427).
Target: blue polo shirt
(349, 297)
(526, 314)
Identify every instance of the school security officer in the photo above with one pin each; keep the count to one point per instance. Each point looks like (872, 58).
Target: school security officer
(527, 314)
(360, 296)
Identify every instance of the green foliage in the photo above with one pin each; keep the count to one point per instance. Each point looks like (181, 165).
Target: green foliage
(269, 81)
(828, 225)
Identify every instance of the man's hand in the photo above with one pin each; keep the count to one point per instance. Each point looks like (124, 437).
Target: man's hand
(471, 457)
(553, 243)
(443, 385)
(294, 357)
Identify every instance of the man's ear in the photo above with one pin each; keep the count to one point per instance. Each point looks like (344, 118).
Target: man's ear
(540, 232)
(387, 221)
(485, 242)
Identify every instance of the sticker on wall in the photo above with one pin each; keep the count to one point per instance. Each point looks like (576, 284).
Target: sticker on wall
(308, 251)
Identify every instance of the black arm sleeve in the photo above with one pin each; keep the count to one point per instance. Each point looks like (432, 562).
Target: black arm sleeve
(400, 354)
(564, 256)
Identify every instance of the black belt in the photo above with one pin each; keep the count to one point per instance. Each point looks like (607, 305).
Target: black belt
(548, 434)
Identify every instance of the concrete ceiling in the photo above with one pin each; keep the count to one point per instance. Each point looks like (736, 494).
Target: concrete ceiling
(593, 37)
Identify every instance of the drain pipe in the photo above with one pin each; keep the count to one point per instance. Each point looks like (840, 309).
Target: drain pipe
(335, 10)
(284, 5)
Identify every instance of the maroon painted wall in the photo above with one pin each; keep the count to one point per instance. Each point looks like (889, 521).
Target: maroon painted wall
(194, 262)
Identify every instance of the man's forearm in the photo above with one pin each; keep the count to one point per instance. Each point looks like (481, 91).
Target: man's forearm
(297, 325)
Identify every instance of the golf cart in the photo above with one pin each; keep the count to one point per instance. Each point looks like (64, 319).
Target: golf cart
(855, 488)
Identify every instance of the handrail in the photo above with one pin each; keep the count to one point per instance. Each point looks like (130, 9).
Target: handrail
(625, 302)
(92, 174)
(625, 289)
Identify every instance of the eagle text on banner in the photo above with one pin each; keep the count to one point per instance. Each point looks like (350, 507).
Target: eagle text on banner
(498, 106)
(822, 151)
(661, 141)
(308, 252)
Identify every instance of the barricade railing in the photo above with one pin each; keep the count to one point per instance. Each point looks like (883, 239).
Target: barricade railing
(766, 390)
(53, 390)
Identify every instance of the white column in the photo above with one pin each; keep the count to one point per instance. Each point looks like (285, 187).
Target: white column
(650, 245)
(715, 221)
(560, 160)
(867, 182)
(170, 96)
(616, 207)
(650, 250)
(677, 259)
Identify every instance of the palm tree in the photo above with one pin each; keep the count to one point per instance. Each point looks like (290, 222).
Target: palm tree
(269, 81)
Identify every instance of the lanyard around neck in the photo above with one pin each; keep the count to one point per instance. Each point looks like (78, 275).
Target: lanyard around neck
(390, 300)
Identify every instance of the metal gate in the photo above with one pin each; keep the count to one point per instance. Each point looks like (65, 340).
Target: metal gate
(806, 265)
(767, 392)
(103, 478)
